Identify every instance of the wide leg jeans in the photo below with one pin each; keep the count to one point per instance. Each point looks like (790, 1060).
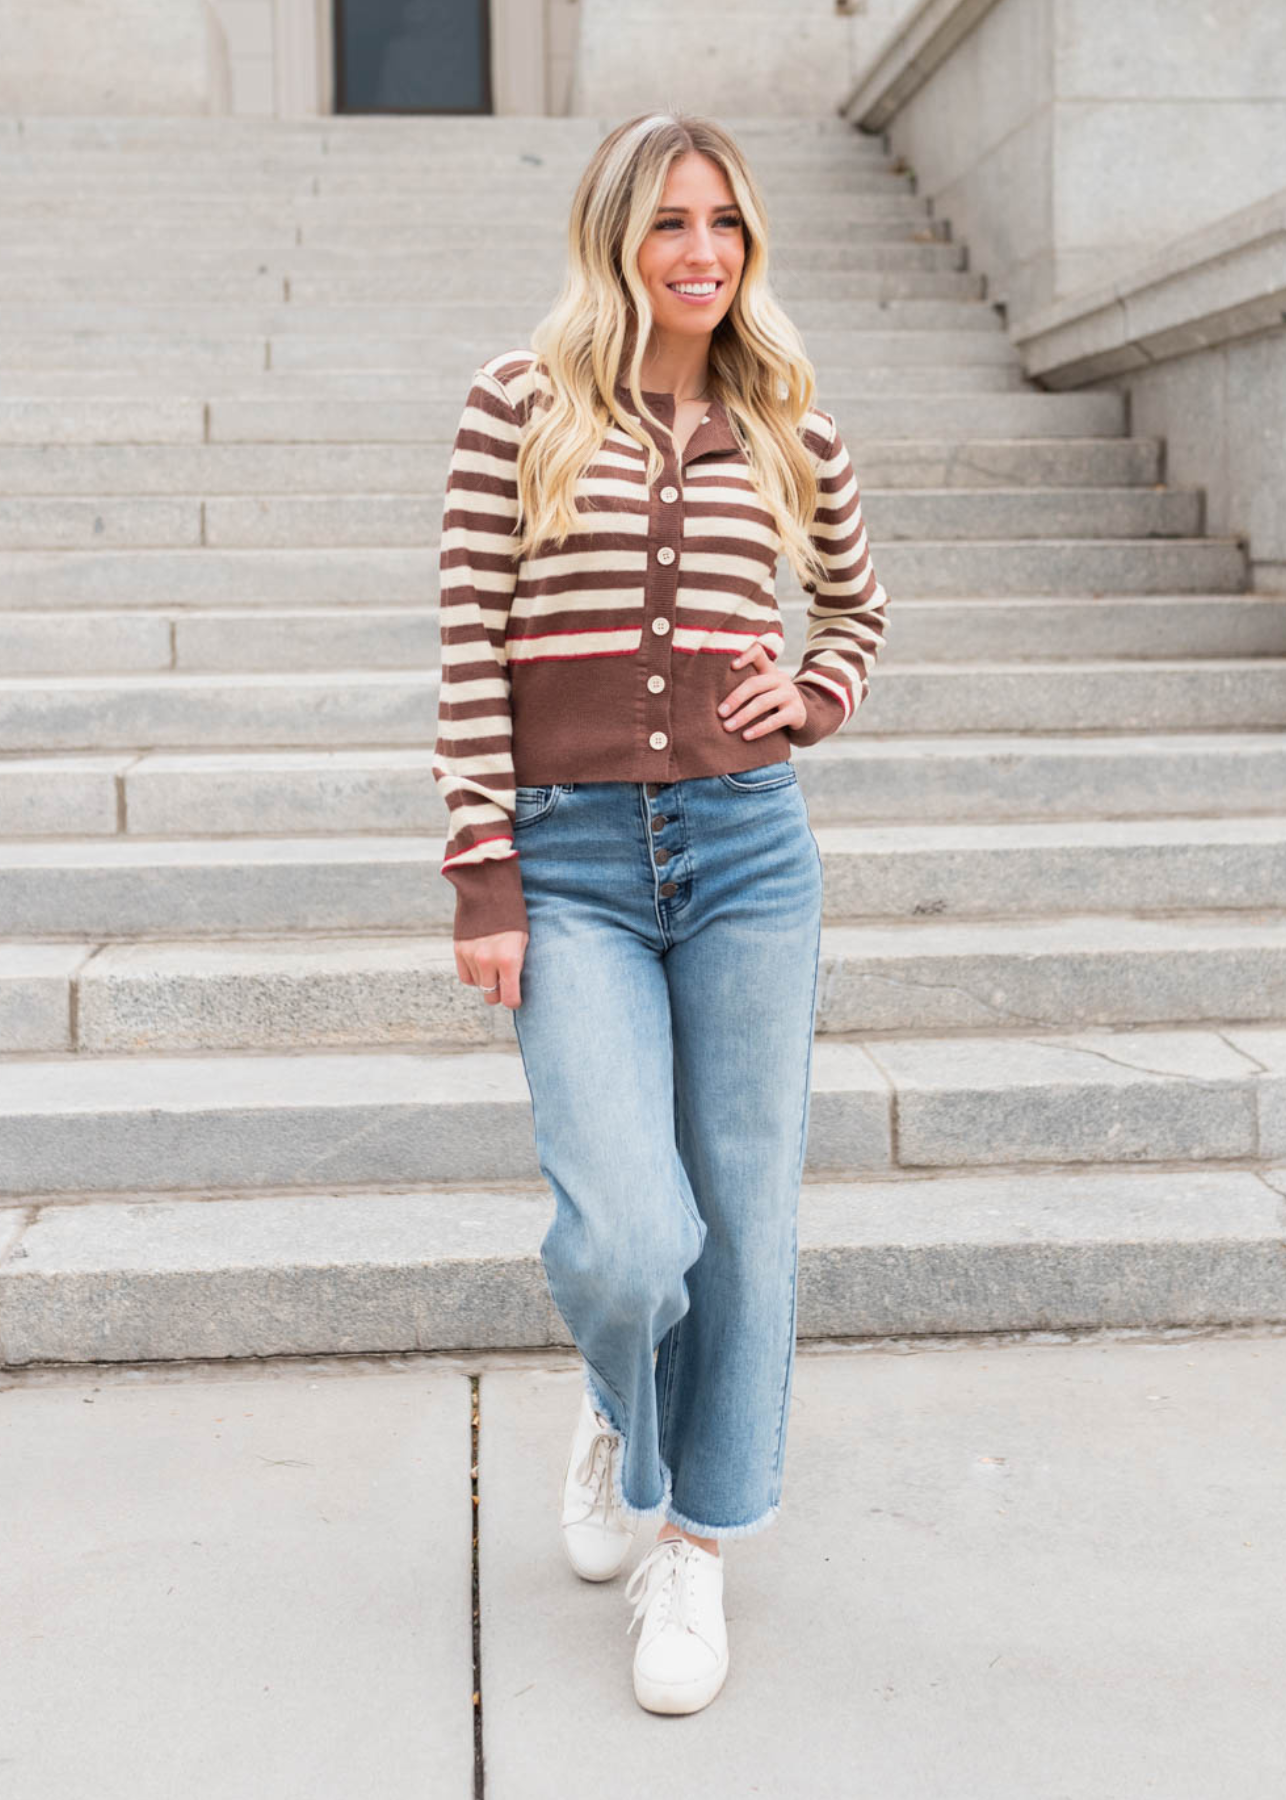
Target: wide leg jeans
(666, 1022)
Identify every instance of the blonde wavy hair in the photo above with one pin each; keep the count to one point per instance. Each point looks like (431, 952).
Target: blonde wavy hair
(757, 364)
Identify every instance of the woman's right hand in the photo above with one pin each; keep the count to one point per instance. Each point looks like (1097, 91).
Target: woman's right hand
(481, 962)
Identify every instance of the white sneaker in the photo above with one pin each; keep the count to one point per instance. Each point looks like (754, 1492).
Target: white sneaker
(596, 1533)
(681, 1659)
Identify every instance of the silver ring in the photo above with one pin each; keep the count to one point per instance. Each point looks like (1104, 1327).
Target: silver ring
(491, 990)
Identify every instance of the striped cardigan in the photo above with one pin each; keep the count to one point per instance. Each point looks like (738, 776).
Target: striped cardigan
(606, 659)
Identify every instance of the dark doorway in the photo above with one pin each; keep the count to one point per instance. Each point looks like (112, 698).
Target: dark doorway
(412, 56)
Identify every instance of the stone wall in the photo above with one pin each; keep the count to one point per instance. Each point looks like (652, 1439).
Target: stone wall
(724, 56)
(1065, 138)
(122, 57)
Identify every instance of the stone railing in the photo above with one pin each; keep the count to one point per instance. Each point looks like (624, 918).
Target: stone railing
(1223, 282)
(1126, 209)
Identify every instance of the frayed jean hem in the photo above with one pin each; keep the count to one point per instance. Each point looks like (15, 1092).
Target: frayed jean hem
(698, 1529)
(664, 1507)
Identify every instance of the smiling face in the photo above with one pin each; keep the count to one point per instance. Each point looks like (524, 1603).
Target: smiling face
(692, 257)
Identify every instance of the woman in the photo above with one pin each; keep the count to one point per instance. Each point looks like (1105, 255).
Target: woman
(635, 872)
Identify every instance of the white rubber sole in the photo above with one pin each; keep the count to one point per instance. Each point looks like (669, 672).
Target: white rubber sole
(680, 1697)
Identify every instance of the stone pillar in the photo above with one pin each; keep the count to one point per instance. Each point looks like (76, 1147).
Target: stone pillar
(106, 57)
(519, 61)
(300, 46)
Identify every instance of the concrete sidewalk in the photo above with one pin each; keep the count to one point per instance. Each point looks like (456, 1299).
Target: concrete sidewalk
(1052, 1569)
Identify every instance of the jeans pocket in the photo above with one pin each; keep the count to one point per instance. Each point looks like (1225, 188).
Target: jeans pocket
(767, 775)
(534, 803)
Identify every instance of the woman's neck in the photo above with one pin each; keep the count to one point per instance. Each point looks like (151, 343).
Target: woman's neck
(685, 376)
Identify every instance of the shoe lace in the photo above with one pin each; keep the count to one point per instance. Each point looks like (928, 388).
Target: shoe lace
(593, 1472)
(663, 1570)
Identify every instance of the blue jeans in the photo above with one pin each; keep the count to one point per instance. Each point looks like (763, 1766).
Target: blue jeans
(666, 1030)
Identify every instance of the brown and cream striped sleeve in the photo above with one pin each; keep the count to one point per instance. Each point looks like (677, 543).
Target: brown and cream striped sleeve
(846, 608)
(473, 756)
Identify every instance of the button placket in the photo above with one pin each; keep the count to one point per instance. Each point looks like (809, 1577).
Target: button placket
(665, 537)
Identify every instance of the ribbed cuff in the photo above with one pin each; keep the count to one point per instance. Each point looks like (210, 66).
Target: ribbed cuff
(488, 897)
(825, 714)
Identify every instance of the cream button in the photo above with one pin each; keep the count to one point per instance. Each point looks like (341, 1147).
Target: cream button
(658, 740)
(670, 493)
(660, 626)
(655, 683)
(665, 554)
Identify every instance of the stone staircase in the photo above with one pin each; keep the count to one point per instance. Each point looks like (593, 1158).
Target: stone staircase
(247, 1108)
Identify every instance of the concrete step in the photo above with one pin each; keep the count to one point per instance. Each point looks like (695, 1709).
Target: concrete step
(1104, 695)
(833, 348)
(339, 993)
(408, 138)
(529, 206)
(240, 376)
(316, 247)
(346, 520)
(502, 320)
(337, 141)
(469, 262)
(396, 706)
(265, 281)
(196, 166)
(938, 568)
(1150, 627)
(436, 357)
(221, 886)
(100, 423)
(152, 1123)
(98, 191)
(257, 793)
(38, 523)
(191, 170)
(495, 154)
(950, 420)
(367, 1272)
(263, 469)
(499, 148)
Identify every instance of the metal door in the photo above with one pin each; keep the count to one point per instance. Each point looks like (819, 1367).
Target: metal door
(412, 56)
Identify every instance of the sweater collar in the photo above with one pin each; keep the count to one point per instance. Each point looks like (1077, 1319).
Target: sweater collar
(712, 437)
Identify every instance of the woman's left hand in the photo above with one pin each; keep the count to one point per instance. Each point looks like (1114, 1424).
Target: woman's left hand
(770, 697)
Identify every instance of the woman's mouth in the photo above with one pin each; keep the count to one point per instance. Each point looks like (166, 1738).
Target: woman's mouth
(695, 293)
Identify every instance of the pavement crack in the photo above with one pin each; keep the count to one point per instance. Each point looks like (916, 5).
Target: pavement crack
(310, 1165)
(1272, 1186)
(1256, 1065)
(1135, 1068)
(994, 1009)
(475, 1409)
